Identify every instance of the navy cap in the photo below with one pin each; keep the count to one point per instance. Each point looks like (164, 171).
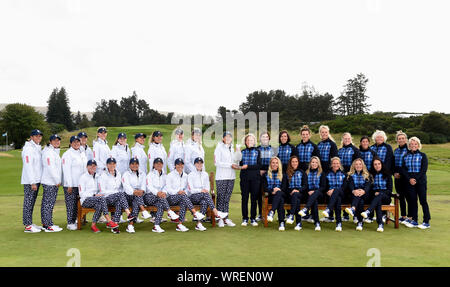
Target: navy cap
(82, 134)
(226, 134)
(111, 160)
(198, 159)
(138, 135)
(179, 161)
(101, 130)
(91, 162)
(178, 131)
(74, 138)
(157, 134)
(36, 132)
(158, 160)
(54, 137)
(122, 135)
(134, 160)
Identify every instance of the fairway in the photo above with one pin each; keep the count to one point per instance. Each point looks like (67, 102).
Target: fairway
(237, 246)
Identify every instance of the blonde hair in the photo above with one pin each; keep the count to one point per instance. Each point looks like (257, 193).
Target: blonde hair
(280, 168)
(339, 160)
(247, 136)
(379, 133)
(342, 138)
(417, 140)
(305, 128)
(319, 168)
(327, 129)
(400, 133)
(365, 172)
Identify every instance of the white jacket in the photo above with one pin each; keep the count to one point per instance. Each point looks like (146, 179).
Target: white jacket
(132, 181)
(177, 150)
(223, 159)
(101, 153)
(109, 184)
(197, 181)
(155, 182)
(73, 166)
(175, 182)
(157, 150)
(193, 150)
(87, 152)
(51, 166)
(87, 185)
(138, 152)
(32, 163)
(122, 154)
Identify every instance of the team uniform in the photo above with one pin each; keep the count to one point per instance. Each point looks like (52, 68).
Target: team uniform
(89, 154)
(122, 154)
(327, 150)
(385, 153)
(336, 181)
(110, 185)
(316, 183)
(265, 154)
(88, 188)
(250, 182)
(193, 150)
(101, 152)
(284, 153)
(383, 185)
(138, 152)
(177, 150)
(347, 154)
(401, 184)
(132, 181)
(415, 165)
(354, 182)
(298, 181)
(305, 151)
(367, 156)
(276, 199)
(51, 178)
(157, 150)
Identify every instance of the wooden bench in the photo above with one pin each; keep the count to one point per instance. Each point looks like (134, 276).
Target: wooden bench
(391, 208)
(82, 211)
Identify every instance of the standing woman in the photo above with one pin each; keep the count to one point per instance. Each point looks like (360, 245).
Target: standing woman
(400, 182)
(381, 191)
(327, 147)
(414, 169)
(177, 148)
(138, 152)
(31, 178)
(266, 152)
(121, 153)
(298, 183)
(101, 149)
(275, 184)
(285, 149)
(348, 152)
(316, 187)
(225, 175)
(335, 183)
(84, 147)
(367, 154)
(250, 179)
(194, 149)
(156, 149)
(73, 166)
(383, 150)
(51, 180)
(359, 182)
(306, 149)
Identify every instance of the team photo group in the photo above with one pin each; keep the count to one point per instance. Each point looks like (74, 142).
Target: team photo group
(129, 179)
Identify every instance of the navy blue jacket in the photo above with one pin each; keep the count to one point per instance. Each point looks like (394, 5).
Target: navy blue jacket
(327, 150)
(388, 158)
(415, 165)
(304, 155)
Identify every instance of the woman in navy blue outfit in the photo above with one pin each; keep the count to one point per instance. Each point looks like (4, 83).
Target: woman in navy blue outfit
(383, 150)
(306, 148)
(327, 147)
(400, 182)
(275, 184)
(367, 154)
(285, 149)
(297, 185)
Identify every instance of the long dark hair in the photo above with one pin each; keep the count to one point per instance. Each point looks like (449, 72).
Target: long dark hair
(383, 171)
(290, 170)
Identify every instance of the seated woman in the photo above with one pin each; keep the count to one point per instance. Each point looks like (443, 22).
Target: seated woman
(359, 181)
(154, 195)
(110, 185)
(176, 189)
(275, 185)
(90, 198)
(295, 191)
(133, 182)
(335, 183)
(198, 189)
(316, 186)
(381, 191)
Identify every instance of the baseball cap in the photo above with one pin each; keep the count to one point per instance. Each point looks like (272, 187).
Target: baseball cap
(111, 160)
(179, 161)
(138, 135)
(82, 134)
(74, 138)
(158, 160)
(36, 132)
(55, 136)
(91, 162)
(198, 159)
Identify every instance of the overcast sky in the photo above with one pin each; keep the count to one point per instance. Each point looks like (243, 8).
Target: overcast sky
(193, 56)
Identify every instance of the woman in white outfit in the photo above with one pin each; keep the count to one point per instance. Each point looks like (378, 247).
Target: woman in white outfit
(156, 149)
(194, 149)
(51, 180)
(84, 147)
(73, 166)
(101, 149)
(121, 153)
(138, 151)
(224, 159)
(31, 178)
(177, 149)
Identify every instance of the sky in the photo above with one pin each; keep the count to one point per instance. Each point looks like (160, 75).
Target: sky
(193, 56)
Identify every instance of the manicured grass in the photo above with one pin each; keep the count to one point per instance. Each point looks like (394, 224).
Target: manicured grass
(238, 246)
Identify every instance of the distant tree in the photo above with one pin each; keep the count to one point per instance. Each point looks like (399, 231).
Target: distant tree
(19, 120)
(77, 120)
(58, 111)
(435, 122)
(85, 122)
(353, 100)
